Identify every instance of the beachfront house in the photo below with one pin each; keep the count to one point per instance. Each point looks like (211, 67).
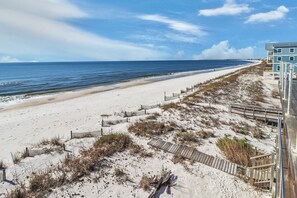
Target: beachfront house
(277, 52)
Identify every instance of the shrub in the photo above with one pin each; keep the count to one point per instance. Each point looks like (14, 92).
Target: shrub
(149, 128)
(56, 141)
(187, 137)
(136, 149)
(205, 134)
(257, 133)
(168, 106)
(16, 158)
(178, 159)
(116, 142)
(236, 150)
(145, 182)
(154, 116)
(19, 192)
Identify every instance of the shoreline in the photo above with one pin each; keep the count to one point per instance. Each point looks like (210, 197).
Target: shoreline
(40, 99)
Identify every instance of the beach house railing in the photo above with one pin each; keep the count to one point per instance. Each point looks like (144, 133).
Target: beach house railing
(280, 187)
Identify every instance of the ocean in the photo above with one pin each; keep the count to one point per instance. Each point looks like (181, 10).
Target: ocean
(24, 80)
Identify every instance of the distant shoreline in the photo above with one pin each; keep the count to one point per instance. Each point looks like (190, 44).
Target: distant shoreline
(46, 98)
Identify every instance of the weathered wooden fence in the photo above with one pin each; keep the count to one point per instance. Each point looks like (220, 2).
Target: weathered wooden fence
(176, 94)
(108, 123)
(147, 107)
(2, 175)
(134, 113)
(32, 152)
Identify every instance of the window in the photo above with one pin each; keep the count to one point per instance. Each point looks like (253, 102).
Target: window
(279, 50)
(292, 50)
(279, 58)
(291, 58)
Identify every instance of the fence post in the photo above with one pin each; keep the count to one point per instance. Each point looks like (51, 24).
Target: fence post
(27, 152)
(164, 95)
(71, 135)
(101, 131)
(285, 82)
(3, 174)
(290, 90)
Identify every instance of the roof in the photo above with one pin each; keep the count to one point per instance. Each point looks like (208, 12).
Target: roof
(271, 46)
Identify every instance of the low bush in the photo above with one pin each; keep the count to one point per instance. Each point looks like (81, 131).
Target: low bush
(150, 128)
(236, 150)
(145, 183)
(205, 134)
(187, 137)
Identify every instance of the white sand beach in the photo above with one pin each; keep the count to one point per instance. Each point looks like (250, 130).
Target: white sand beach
(26, 124)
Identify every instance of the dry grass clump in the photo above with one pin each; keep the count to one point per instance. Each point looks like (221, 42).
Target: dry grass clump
(16, 158)
(136, 149)
(205, 134)
(177, 158)
(168, 106)
(236, 150)
(19, 192)
(275, 94)
(55, 141)
(241, 128)
(41, 183)
(257, 133)
(120, 175)
(150, 128)
(154, 116)
(184, 137)
(146, 182)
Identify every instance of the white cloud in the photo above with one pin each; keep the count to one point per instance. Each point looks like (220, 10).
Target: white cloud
(222, 50)
(39, 29)
(176, 25)
(229, 8)
(264, 17)
(8, 59)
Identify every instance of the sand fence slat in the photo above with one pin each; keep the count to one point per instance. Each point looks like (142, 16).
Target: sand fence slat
(108, 123)
(176, 94)
(147, 107)
(134, 113)
(2, 175)
(167, 98)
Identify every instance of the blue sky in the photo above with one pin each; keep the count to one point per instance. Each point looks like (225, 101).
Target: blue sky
(66, 30)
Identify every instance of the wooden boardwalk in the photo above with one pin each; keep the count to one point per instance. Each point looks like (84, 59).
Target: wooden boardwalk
(195, 155)
(261, 174)
(256, 112)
